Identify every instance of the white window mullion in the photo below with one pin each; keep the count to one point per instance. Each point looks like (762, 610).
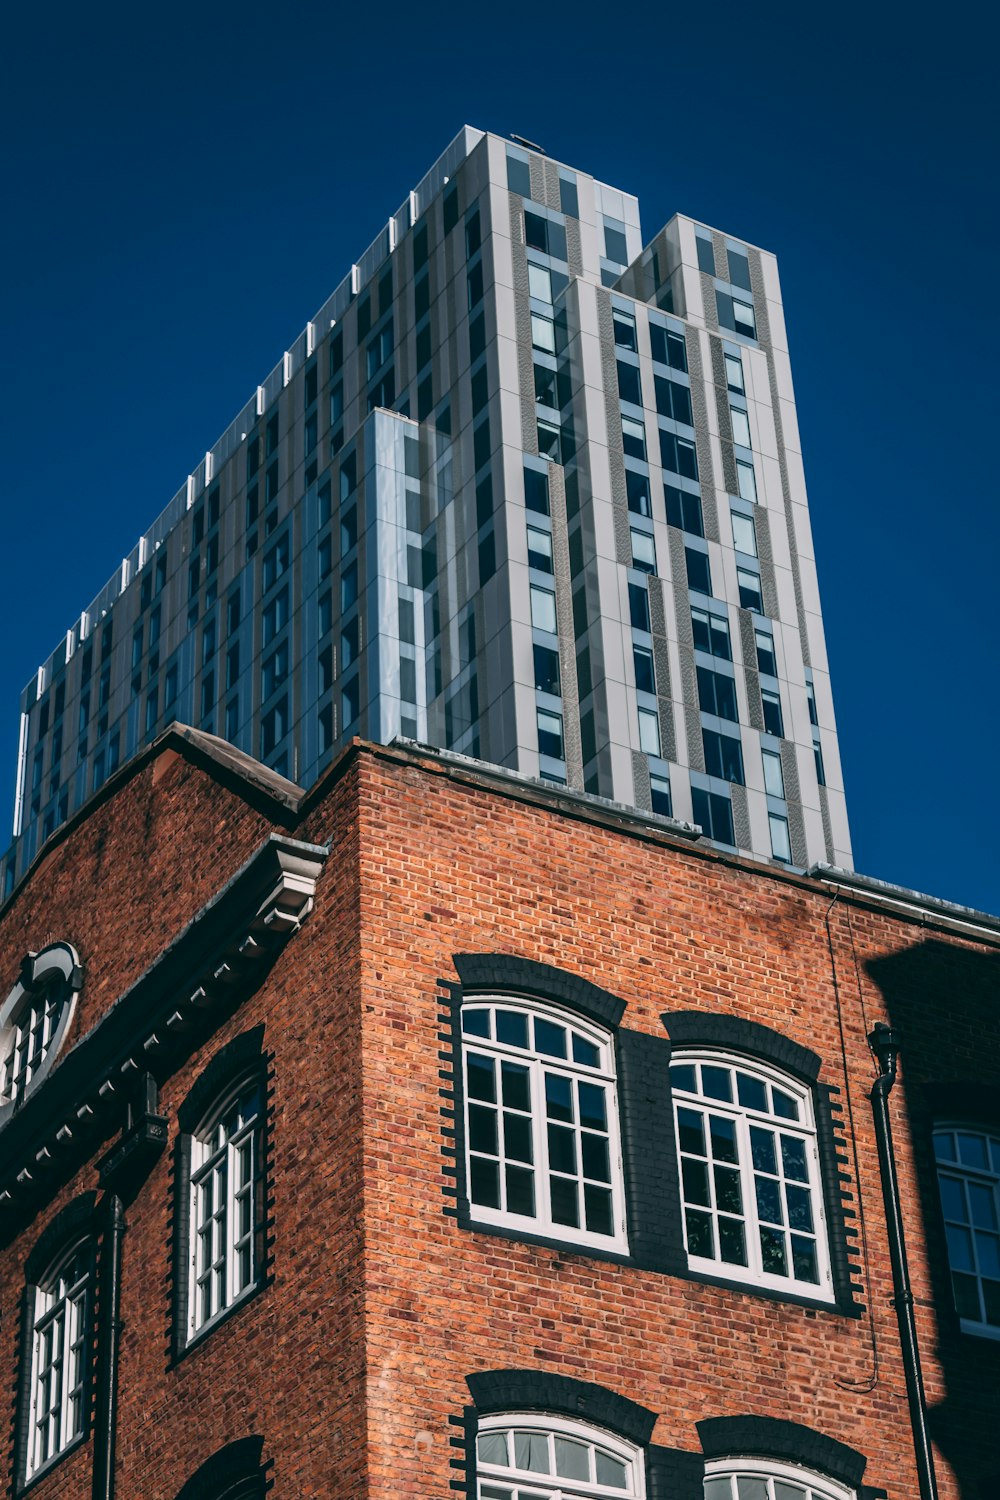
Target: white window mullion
(543, 1191)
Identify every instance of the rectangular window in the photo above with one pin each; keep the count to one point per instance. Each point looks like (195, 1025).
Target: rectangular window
(568, 198)
(638, 605)
(659, 789)
(550, 734)
(537, 491)
(714, 813)
(232, 719)
(633, 438)
(774, 781)
(741, 426)
(539, 550)
(678, 456)
(274, 672)
(820, 768)
(547, 670)
(518, 176)
(539, 282)
(706, 255)
(750, 595)
(273, 727)
(746, 481)
(723, 756)
(699, 574)
(739, 269)
(668, 348)
(810, 702)
(473, 232)
(550, 441)
(543, 609)
(711, 634)
(717, 694)
(637, 493)
(645, 676)
(743, 318)
(780, 846)
(233, 665)
(773, 721)
(624, 329)
(744, 534)
(766, 661)
(349, 644)
(274, 616)
(275, 562)
(543, 333)
(673, 400)
(629, 387)
(615, 246)
(734, 373)
(684, 510)
(643, 551)
(649, 732)
(311, 384)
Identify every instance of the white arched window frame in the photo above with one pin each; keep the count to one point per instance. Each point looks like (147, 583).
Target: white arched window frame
(766, 1479)
(224, 1205)
(59, 1337)
(34, 1019)
(534, 1456)
(751, 1188)
(542, 1137)
(968, 1168)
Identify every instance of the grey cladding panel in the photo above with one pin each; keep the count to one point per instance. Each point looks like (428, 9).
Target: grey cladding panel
(708, 297)
(728, 457)
(641, 792)
(721, 256)
(573, 250)
(522, 314)
(790, 772)
(763, 527)
(824, 807)
(741, 817)
(699, 409)
(661, 663)
(769, 591)
(696, 746)
(551, 174)
(564, 617)
(797, 835)
(616, 451)
(536, 170)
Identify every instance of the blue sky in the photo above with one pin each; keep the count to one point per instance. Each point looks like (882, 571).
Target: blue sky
(184, 187)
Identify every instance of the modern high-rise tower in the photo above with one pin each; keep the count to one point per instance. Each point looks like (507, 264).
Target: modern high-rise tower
(523, 490)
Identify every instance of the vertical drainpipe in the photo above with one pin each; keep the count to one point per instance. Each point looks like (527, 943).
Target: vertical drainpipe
(884, 1043)
(107, 1349)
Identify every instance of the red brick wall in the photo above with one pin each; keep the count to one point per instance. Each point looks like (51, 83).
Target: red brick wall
(447, 869)
(352, 1362)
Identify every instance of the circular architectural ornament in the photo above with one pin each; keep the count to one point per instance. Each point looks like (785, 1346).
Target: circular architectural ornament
(34, 1020)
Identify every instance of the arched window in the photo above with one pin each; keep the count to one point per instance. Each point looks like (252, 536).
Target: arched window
(225, 1206)
(34, 1018)
(750, 1183)
(60, 1333)
(765, 1479)
(541, 1122)
(540, 1457)
(968, 1165)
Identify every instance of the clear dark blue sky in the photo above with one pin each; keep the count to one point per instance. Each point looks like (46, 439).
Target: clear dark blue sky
(184, 185)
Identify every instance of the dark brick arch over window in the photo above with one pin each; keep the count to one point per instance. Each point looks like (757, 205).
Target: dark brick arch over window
(641, 1061)
(75, 1222)
(771, 1437)
(237, 1062)
(235, 1471)
(671, 1474)
(692, 1028)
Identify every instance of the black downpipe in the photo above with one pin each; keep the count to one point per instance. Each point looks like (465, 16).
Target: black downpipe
(106, 1416)
(884, 1042)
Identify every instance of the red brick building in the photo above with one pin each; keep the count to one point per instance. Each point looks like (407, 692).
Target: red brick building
(438, 1133)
